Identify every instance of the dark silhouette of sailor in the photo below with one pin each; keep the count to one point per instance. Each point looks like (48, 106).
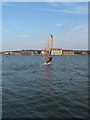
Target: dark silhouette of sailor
(49, 60)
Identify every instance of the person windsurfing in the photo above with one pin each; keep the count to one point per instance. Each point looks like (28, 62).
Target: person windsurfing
(46, 53)
(49, 60)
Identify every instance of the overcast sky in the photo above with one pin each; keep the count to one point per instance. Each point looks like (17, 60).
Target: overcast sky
(26, 25)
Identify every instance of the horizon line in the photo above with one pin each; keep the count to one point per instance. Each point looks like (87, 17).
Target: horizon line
(42, 49)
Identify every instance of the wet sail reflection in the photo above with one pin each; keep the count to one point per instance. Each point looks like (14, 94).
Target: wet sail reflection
(47, 77)
(47, 72)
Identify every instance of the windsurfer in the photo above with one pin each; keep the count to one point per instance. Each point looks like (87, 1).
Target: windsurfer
(46, 53)
(49, 60)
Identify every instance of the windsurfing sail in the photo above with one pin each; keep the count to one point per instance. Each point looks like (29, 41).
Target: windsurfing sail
(48, 49)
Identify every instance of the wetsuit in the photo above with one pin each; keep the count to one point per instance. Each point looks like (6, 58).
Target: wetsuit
(49, 59)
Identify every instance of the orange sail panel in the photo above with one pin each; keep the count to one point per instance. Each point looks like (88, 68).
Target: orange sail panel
(48, 48)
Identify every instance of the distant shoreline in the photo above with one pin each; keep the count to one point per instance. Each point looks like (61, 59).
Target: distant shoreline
(40, 55)
(55, 52)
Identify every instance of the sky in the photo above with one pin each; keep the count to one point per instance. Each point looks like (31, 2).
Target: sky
(26, 25)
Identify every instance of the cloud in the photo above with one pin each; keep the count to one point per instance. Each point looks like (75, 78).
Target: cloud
(58, 24)
(9, 4)
(72, 8)
(24, 36)
(53, 4)
(79, 29)
(65, 11)
(80, 9)
(69, 7)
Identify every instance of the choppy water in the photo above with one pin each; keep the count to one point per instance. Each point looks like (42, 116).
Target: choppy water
(32, 90)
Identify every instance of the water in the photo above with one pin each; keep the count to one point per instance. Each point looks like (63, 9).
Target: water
(33, 90)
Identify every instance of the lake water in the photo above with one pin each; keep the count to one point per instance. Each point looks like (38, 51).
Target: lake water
(33, 90)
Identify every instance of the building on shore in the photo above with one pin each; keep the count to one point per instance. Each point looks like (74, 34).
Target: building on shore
(15, 53)
(30, 52)
(11, 53)
(68, 52)
(26, 52)
(57, 52)
(7, 52)
(80, 52)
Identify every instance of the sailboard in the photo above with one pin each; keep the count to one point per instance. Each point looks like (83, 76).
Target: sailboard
(46, 53)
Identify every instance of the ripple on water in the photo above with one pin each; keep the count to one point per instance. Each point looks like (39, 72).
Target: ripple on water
(31, 90)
